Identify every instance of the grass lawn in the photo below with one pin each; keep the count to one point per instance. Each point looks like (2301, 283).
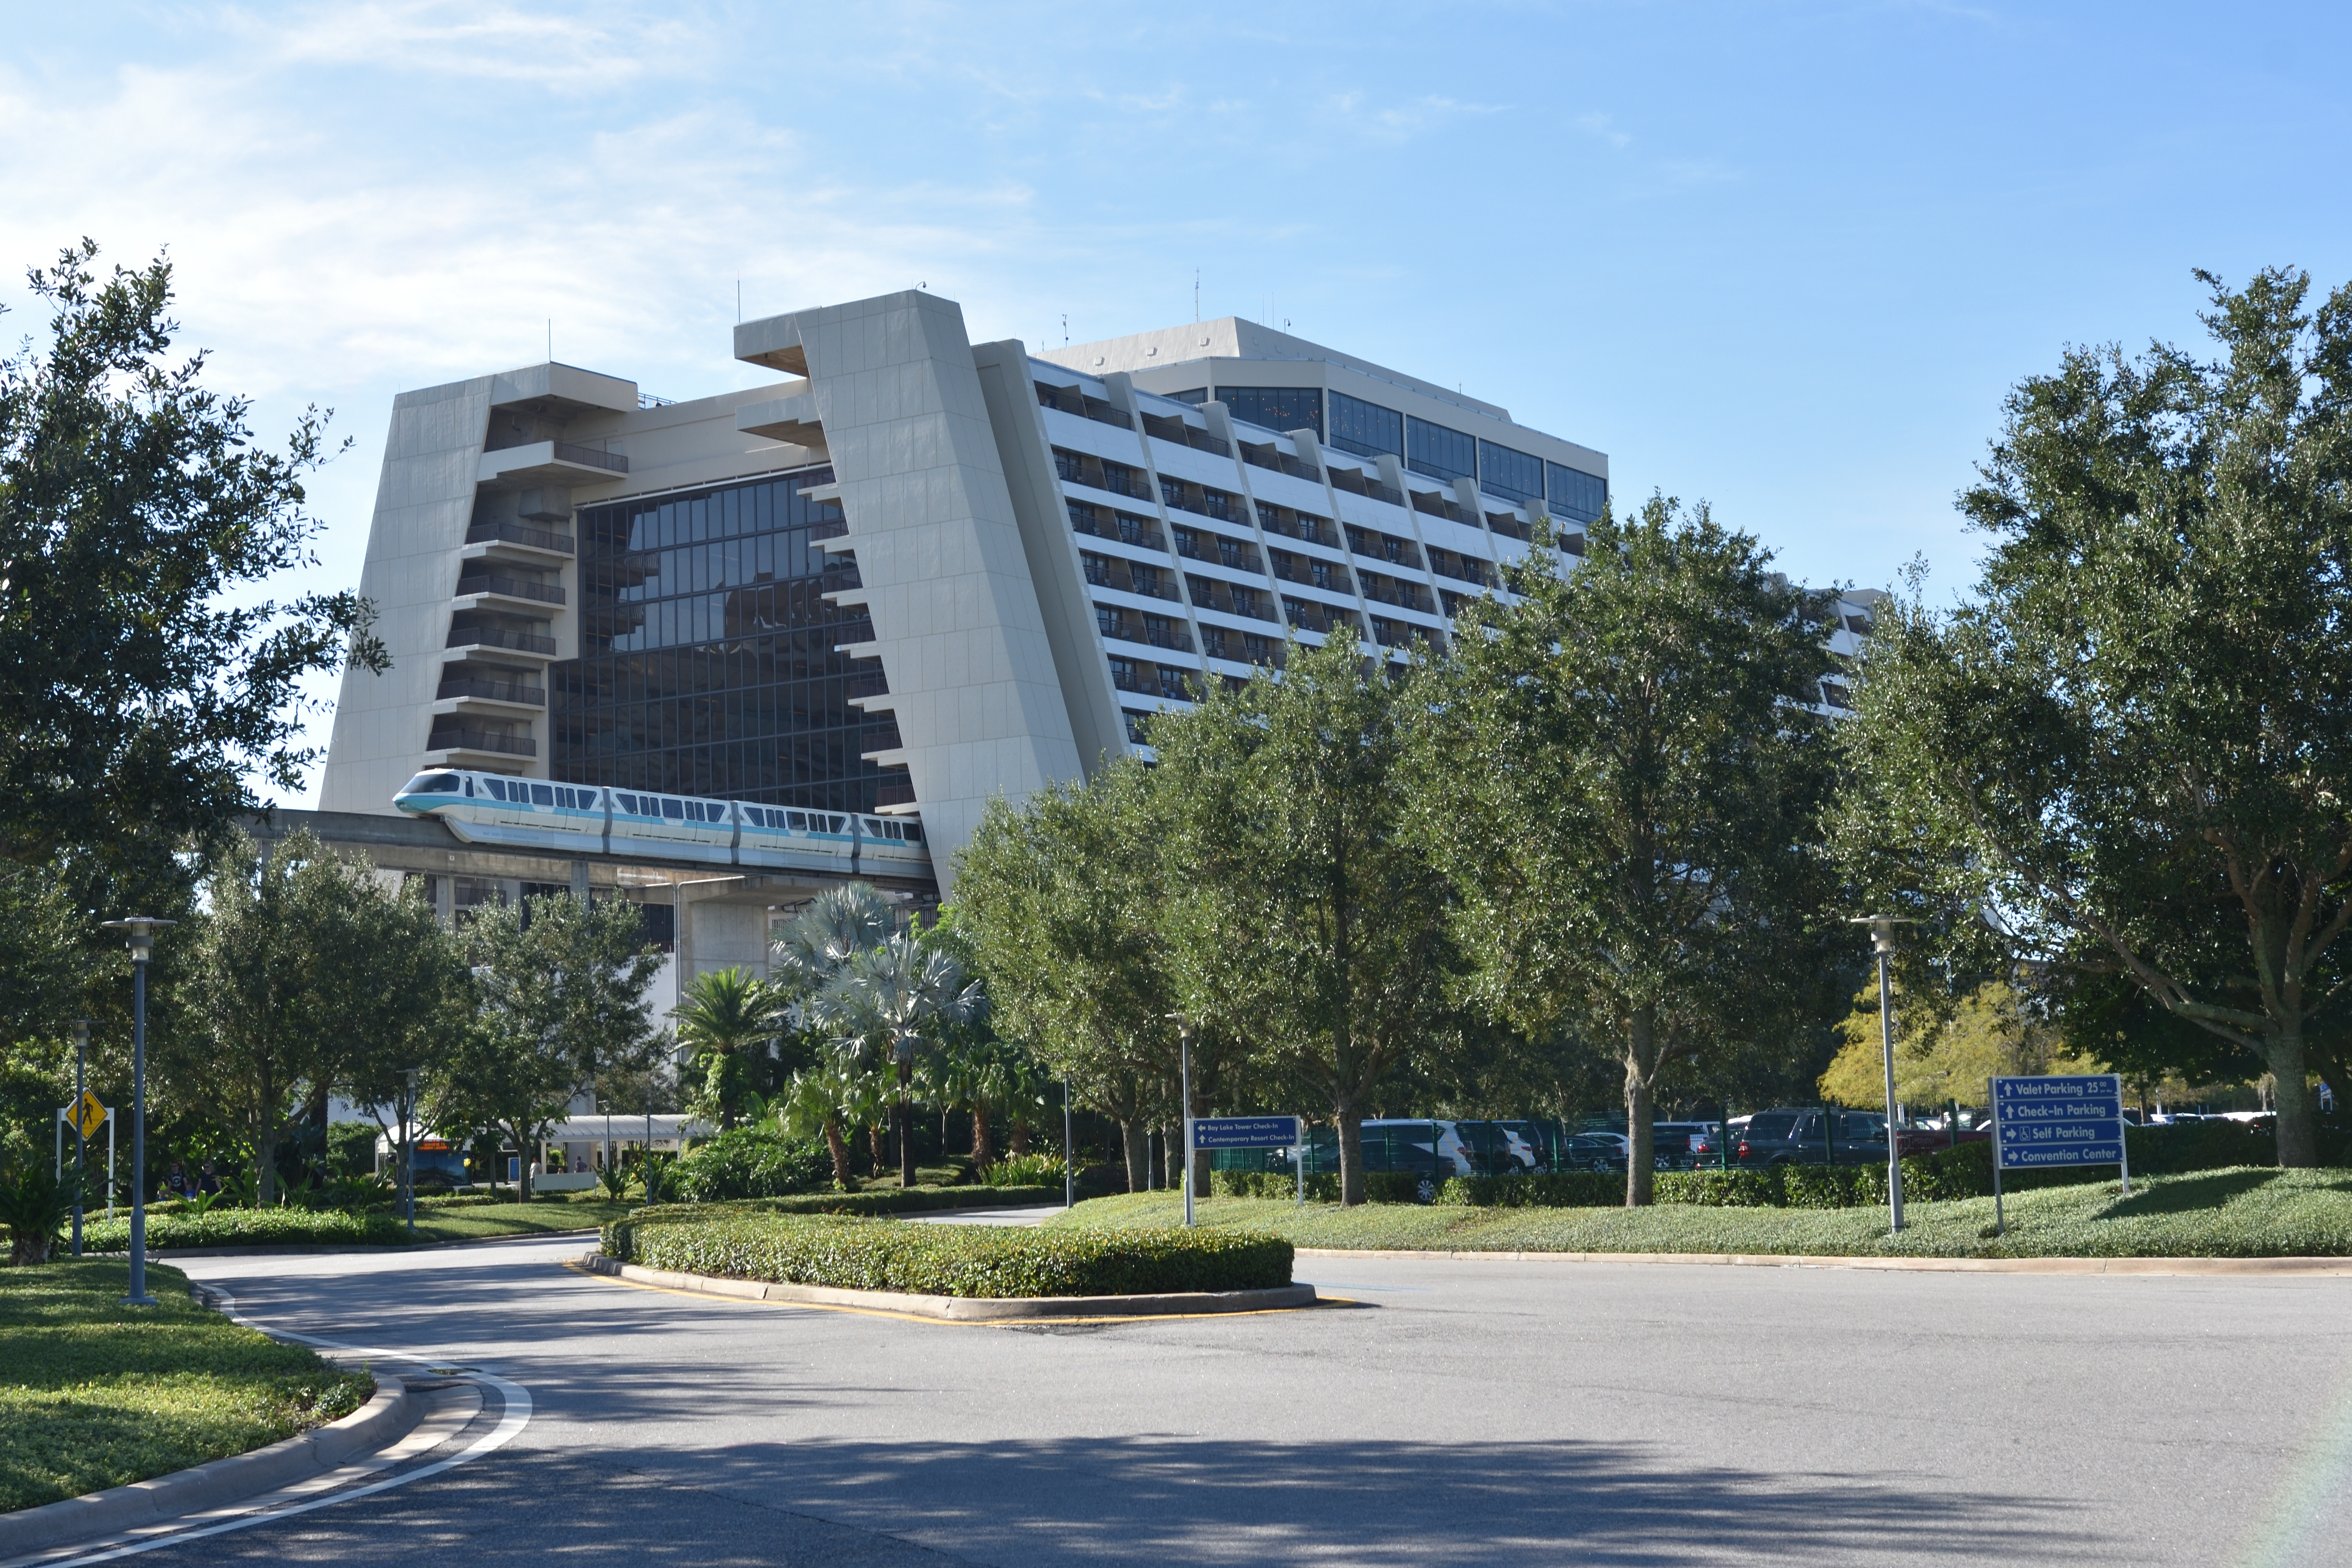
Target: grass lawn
(2251, 1212)
(96, 1395)
(539, 1216)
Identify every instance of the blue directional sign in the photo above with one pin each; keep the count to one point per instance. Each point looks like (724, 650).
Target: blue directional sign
(1244, 1131)
(2037, 1123)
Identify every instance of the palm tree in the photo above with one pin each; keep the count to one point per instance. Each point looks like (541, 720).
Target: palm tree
(724, 1013)
(897, 997)
(838, 924)
(828, 1100)
(996, 1079)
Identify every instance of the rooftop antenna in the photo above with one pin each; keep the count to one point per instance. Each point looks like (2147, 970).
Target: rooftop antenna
(1196, 296)
(1066, 329)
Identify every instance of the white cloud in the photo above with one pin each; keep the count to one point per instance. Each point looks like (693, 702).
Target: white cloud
(1405, 120)
(1601, 126)
(577, 49)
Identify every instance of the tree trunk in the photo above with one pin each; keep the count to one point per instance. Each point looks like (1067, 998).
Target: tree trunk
(876, 1155)
(1137, 1138)
(1350, 1123)
(839, 1150)
(1018, 1144)
(983, 1153)
(906, 1125)
(1641, 1069)
(265, 1166)
(2296, 1106)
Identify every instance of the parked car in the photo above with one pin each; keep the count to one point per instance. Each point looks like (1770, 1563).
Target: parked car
(1594, 1151)
(1675, 1145)
(1794, 1136)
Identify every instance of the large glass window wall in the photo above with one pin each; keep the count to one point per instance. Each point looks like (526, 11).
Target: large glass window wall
(1510, 473)
(707, 648)
(1440, 453)
(1277, 408)
(1577, 494)
(1366, 429)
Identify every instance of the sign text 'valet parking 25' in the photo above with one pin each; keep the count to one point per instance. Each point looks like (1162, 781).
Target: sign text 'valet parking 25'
(2075, 1120)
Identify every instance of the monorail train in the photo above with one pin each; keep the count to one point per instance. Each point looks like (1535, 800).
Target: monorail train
(494, 808)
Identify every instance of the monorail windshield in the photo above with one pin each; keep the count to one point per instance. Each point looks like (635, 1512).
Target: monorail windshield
(431, 783)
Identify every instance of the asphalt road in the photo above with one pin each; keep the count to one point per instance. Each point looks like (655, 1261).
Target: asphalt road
(1465, 1414)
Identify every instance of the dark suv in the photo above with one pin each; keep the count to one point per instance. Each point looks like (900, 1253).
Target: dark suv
(1796, 1137)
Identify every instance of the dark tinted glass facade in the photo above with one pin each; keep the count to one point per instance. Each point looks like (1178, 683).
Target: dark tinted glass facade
(1279, 408)
(1577, 494)
(1440, 453)
(707, 658)
(1511, 474)
(1366, 429)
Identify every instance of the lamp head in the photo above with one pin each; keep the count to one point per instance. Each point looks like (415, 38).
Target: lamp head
(1882, 930)
(141, 930)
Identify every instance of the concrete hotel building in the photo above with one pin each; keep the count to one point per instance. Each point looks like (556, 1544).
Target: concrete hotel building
(914, 572)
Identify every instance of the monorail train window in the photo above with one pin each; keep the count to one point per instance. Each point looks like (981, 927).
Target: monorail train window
(542, 794)
(432, 783)
(799, 819)
(673, 808)
(914, 833)
(497, 787)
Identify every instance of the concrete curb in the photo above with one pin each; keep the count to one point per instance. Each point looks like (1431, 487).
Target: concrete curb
(168, 1254)
(2273, 1268)
(383, 1419)
(963, 1309)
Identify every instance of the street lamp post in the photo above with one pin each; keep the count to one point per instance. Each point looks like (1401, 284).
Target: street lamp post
(81, 1139)
(1184, 1068)
(1882, 943)
(408, 1152)
(1070, 1171)
(142, 932)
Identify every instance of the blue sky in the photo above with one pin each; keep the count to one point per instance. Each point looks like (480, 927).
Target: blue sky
(1784, 257)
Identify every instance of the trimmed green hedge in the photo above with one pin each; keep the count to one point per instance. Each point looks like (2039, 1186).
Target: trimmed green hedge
(989, 1261)
(874, 1204)
(1380, 1187)
(250, 1228)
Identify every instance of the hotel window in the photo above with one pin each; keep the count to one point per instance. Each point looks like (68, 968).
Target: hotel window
(1440, 453)
(1282, 409)
(1366, 429)
(1513, 475)
(1577, 494)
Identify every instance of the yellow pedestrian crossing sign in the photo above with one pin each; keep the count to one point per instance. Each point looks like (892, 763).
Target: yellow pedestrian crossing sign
(87, 1115)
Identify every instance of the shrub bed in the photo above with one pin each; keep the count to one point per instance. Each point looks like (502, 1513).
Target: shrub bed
(873, 1205)
(749, 1163)
(853, 1254)
(1380, 1187)
(250, 1228)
